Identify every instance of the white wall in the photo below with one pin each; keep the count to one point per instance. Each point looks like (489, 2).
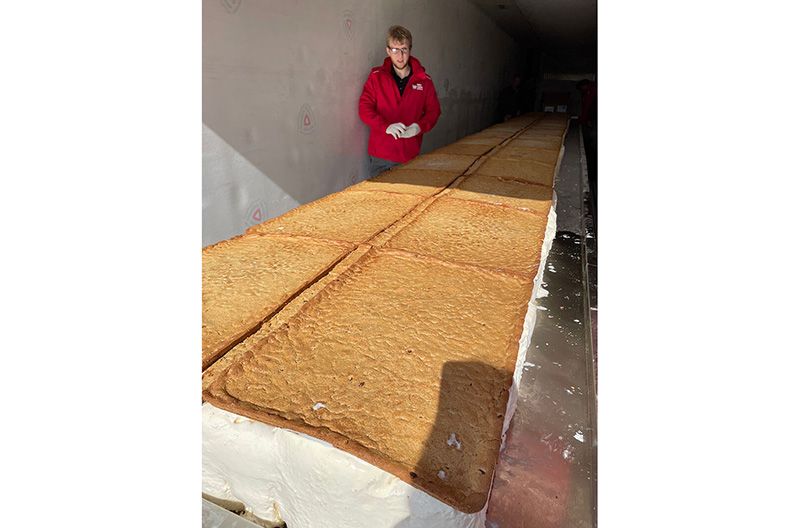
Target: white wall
(269, 64)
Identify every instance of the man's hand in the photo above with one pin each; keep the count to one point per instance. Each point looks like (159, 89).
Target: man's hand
(396, 130)
(410, 131)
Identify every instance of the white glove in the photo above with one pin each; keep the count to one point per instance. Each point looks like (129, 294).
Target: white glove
(395, 130)
(410, 131)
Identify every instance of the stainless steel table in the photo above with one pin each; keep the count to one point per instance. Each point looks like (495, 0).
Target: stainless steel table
(546, 476)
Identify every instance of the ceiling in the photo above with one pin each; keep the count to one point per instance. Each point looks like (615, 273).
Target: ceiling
(564, 30)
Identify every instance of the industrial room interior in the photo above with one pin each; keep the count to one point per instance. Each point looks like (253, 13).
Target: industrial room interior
(280, 130)
(399, 343)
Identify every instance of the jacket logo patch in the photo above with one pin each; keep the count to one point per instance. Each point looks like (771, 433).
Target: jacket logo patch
(417, 86)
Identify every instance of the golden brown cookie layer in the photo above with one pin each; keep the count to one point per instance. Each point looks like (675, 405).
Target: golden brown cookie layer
(403, 360)
(476, 233)
(350, 215)
(489, 189)
(410, 181)
(248, 278)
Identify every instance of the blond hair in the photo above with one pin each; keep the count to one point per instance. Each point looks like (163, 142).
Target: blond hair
(399, 34)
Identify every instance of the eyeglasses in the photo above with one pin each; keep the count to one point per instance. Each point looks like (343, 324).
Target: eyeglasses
(395, 51)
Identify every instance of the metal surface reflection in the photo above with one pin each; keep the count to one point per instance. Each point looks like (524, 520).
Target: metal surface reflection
(546, 476)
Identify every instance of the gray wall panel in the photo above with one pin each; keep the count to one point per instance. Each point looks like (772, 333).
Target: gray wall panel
(281, 81)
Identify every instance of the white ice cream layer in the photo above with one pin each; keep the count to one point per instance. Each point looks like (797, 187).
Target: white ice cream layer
(281, 475)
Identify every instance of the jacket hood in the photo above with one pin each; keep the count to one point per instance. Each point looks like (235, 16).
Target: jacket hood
(416, 66)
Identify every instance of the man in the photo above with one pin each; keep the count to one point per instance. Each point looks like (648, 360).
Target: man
(511, 100)
(398, 103)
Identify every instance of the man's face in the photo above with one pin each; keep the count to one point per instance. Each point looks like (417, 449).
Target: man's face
(399, 59)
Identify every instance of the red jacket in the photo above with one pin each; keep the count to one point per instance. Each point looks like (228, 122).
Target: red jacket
(381, 105)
